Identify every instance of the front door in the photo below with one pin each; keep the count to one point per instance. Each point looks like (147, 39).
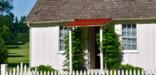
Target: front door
(93, 52)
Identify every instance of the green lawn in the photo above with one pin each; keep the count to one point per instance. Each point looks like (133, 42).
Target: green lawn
(18, 54)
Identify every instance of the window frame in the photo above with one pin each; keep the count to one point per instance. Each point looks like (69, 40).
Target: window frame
(136, 37)
(60, 51)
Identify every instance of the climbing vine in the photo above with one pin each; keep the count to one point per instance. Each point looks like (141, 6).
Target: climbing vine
(77, 50)
(111, 48)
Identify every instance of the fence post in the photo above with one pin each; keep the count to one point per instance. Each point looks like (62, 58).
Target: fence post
(3, 69)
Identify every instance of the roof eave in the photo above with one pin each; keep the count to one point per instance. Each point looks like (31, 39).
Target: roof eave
(135, 20)
(47, 23)
(116, 21)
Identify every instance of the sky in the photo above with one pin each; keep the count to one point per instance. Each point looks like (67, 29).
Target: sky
(22, 7)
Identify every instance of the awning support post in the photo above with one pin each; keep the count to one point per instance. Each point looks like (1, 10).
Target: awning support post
(101, 52)
(70, 49)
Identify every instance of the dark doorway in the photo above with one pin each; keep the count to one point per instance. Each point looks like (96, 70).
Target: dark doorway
(97, 52)
(93, 48)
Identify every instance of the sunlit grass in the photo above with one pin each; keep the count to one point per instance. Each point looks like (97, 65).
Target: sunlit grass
(18, 54)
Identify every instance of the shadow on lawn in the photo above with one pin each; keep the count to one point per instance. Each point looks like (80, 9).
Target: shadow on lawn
(15, 56)
(13, 46)
(12, 53)
(14, 65)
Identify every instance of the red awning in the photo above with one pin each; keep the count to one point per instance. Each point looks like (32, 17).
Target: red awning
(88, 22)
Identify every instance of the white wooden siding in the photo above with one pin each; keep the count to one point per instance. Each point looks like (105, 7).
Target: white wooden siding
(146, 41)
(44, 47)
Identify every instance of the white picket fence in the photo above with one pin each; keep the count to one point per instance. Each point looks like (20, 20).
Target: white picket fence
(24, 70)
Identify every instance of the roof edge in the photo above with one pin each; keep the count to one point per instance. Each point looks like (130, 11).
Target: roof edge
(62, 22)
(47, 23)
(135, 20)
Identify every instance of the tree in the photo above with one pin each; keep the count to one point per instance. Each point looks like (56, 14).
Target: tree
(3, 51)
(19, 26)
(5, 7)
(19, 31)
(111, 48)
(5, 22)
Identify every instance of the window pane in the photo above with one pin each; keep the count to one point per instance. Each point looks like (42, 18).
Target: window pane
(133, 33)
(62, 33)
(129, 46)
(129, 40)
(134, 26)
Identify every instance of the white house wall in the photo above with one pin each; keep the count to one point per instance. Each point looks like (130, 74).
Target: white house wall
(44, 47)
(145, 56)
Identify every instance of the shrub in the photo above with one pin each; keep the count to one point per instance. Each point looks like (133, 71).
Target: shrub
(43, 68)
(129, 67)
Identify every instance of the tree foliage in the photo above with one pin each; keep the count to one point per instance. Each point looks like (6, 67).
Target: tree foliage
(111, 48)
(19, 26)
(5, 7)
(3, 51)
(77, 51)
(6, 21)
(19, 31)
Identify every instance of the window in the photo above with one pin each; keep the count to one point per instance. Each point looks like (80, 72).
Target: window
(62, 34)
(129, 37)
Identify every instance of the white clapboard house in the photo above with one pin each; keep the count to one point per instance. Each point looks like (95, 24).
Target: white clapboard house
(135, 23)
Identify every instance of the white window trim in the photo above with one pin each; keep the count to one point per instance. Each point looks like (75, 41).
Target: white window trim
(118, 30)
(130, 51)
(61, 52)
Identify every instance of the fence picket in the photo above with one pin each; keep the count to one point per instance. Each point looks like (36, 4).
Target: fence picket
(77, 73)
(14, 71)
(48, 73)
(111, 72)
(126, 72)
(118, 72)
(52, 73)
(44, 73)
(114, 72)
(17, 70)
(10, 72)
(95, 72)
(138, 72)
(130, 72)
(134, 72)
(107, 72)
(21, 67)
(84, 73)
(55, 73)
(88, 72)
(142, 72)
(73, 73)
(122, 72)
(80, 72)
(92, 72)
(37, 72)
(41, 73)
(7, 73)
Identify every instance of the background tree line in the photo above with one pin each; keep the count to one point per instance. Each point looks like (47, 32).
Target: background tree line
(10, 28)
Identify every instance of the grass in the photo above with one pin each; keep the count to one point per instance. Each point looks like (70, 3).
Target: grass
(18, 54)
